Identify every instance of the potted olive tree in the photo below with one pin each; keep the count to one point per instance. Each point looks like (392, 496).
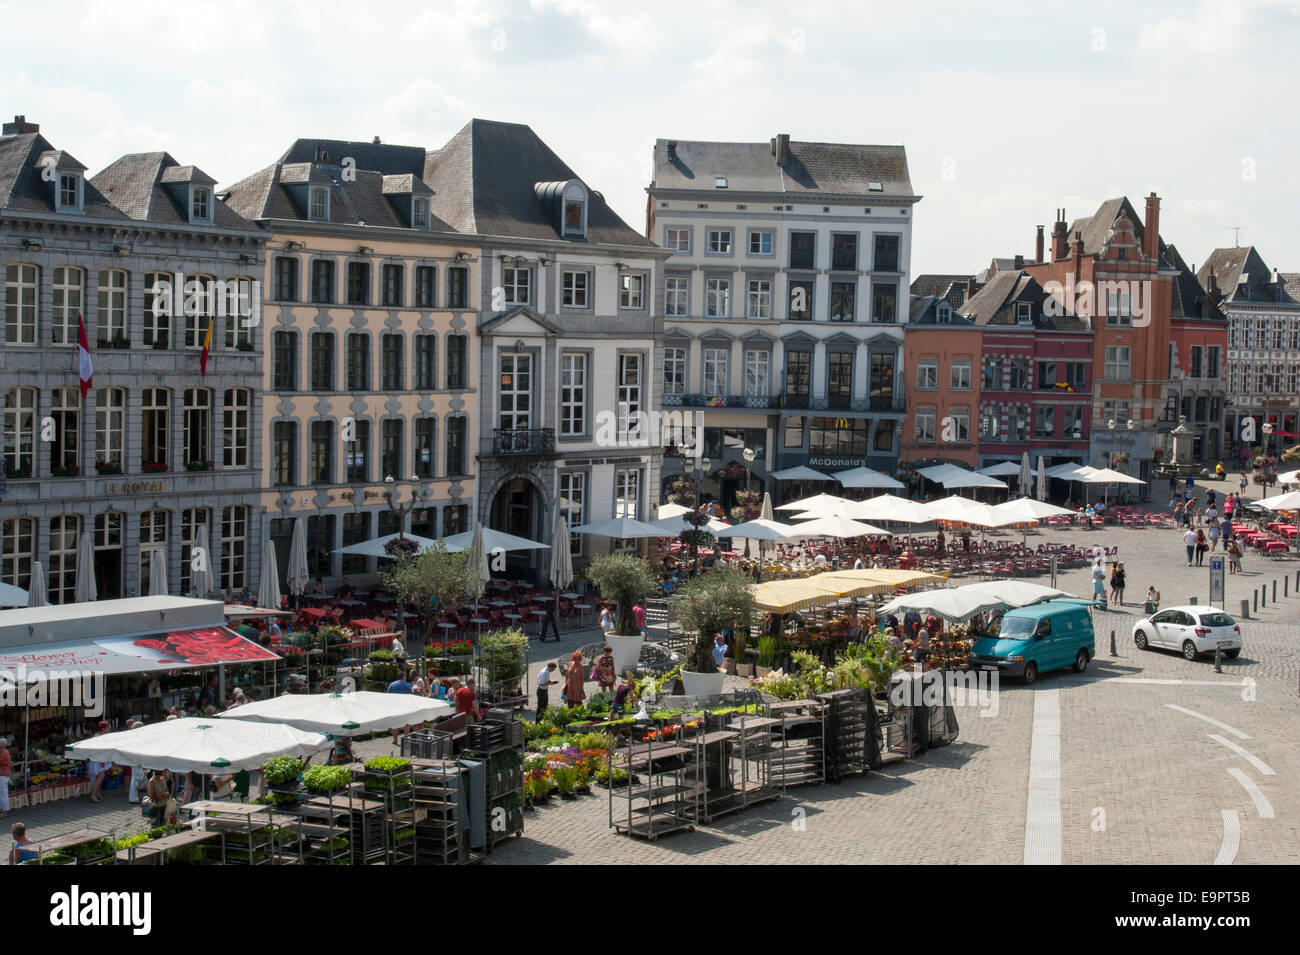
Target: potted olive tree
(624, 579)
(707, 605)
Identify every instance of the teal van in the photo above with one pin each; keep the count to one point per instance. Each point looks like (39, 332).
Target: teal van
(1033, 640)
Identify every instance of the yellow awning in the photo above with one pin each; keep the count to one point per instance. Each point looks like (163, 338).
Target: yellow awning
(787, 596)
(894, 578)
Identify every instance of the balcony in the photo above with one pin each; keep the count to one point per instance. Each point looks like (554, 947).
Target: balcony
(761, 402)
(894, 403)
(523, 442)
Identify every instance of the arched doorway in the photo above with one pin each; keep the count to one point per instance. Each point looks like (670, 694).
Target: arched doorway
(517, 509)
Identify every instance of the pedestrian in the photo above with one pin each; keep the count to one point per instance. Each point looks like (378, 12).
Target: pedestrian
(98, 771)
(19, 852)
(1114, 571)
(1189, 541)
(1178, 511)
(6, 764)
(606, 619)
(1214, 535)
(605, 674)
(1198, 517)
(1202, 545)
(1234, 557)
(621, 693)
(922, 647)
(638, 612)
(1152, 602)
(1120, 580)
(719, 651)
(1241, 484)
(574, 678)
(545, 680)
(1098, 581)
(466, 701)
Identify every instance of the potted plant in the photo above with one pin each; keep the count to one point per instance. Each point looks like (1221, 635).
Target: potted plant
(108, 467)
(707, 605)
(160, 341)
(198, 465)
(502, 661)
(65, 470)
(624, 579)
(11, 471)
(768, 650)
(154, 467)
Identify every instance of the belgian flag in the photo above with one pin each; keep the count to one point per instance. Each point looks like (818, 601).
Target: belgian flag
(207, 345)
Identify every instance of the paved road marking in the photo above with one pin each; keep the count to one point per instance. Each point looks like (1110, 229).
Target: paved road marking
(1255, 761)
(1231, 838)
(1200, 716)
(1043, 809)
(1136, 679)
(1262, 805)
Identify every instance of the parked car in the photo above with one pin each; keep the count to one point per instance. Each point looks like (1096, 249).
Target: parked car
(1193, 630)
(1035, 639)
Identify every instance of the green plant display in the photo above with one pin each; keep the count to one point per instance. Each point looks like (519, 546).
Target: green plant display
(769, 648)
(707, 605)
(326, 779)
(282, 770)
(386, 764)
(503, 657)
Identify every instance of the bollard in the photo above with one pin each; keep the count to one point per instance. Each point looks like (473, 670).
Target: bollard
(1218, 659)
(1275, 591)
(1263, 595)
(1112, 644)
(1255, 597)
(1286, 583)
(1245, 610)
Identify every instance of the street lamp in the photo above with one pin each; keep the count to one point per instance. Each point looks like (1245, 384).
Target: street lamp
(1119, 437)
(401, 510)
(1267, 428)
(749, 455)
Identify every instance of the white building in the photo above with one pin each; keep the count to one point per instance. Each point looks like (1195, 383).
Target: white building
(785, 300)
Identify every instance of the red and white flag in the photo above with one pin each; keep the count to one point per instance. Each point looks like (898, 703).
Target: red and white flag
(87, 370)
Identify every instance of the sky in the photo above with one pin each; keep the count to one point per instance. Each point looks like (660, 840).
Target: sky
(1008, 110)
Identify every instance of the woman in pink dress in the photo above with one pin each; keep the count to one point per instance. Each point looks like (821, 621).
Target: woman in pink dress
(574, 678)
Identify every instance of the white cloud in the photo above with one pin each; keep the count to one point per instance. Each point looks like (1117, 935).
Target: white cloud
(422, 113)
(1217, 28)
(637, 33)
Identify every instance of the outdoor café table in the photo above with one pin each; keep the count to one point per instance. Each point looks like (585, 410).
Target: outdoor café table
(351, 603)
(514, 617)
(315, 613)
(500, 603)
(571, 596)
(446, 628)
(1274, 547)
(525, 585)
(584, 609)
(479, 622)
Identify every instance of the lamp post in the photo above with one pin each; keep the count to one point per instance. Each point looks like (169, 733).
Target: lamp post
(697, 469)
(401, 510)
(1120, 437)
(749, 455)
(1267, 428)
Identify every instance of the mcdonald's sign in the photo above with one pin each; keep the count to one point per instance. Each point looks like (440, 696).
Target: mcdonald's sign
(841, 423)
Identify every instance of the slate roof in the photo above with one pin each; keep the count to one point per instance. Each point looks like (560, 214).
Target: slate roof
(1188, 294)
(138, 186)
(995, 303)
(922, 311)
(812, 168)
(1244, 276)
(23, 190)
(951, 287)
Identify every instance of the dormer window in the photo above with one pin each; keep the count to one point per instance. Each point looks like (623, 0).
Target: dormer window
(70, 186)
(575, 213)
(419, 213)
(200, 204)
(319, 205)
(1024, 313)
(943, 313)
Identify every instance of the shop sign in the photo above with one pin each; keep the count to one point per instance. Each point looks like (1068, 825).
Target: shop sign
(133, 487)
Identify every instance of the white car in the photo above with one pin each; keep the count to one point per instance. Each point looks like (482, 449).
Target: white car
(1193, 630)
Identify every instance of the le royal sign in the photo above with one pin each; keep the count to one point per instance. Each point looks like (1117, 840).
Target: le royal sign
(133, 487)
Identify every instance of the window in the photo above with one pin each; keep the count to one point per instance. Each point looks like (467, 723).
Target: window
(21, 286)
(69, 192)
(455, 517)
(677, 239)
(1279, 334)
(157, 308)
(573, 499)
(322, 361)
(793, 437)
(319, 204)
(926, 416)
(64, 531)
(757, 372)
(1061, 375)
(111, 304)
(286, 278)
(882, 380)
(426, 430)
(715, 371)
(943, 313)
(19, 538)
(801, 300)
(426, 362)
(844, 252)
(758, 303)
(393, 283)
(1194, 371)
(629, 395)
(154, 426)
(720, 241)
(197, 431)
(358, 285)
(424, 522)
(927, 373)
(389, 523)
(573, 393)
(1119, 312)
(798, 378)
(518, 285)
(199, 309)
(234, 548)
(674, 371)
(959, 415)
(284, 453)
(391, 456)
(426, 286)
(457, 287)
(1118, 358)
(68, 283)
(516, 384)
(1020, 372)
(574, 289)
(839, 379)
(239, 313)
(1024, 313)
(110, 428)
(884, 302)
(200, 205)
(1018, 424)
(153, 537)
(760, 242)
(627, 493)
(993, 366)
(456, 436)
(65, 450)
(1117, 411)
(632, 292)
(1212, 361)
(358, 361)
(959, 374)
(284, 360)
(320, 465)
(393, 362)
(419, 213)
(886, 253)
(838, 436)
(236, 425)
(717, 298)
(1045, 421)
(677, 300)
(356, 530)
(322, 282)
(357, 452)
(803, 250)
(843, 301)
(457, 361)
(20, 433)
(575, 214)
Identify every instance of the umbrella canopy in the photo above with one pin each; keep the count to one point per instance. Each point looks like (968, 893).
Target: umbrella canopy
(296, 573)
(342, 714)
(766, 530)
(1107, 476)
(971, 479)
(964, 511)
(1041, 490)
(837, 527)
(1289, 477)
(1070, 472)
(1001, 469)
(36, 595)
(1027, 509)
(201, 580)
(1280, 502)
(765, 512)
(865, 477)
(493, 541)
(672, 526)
(268, 585)
(479, 554)
(199, 745)
(889, 577)
(11, 596)
(1026, 475)
(625, 527)
(814, 503)
(671, 510)
(158, 573)
(886, 507)
(376, 546)
(85, 584)
(801, 473)
(787, 596)
(938, 472)
(962, 603)
(561, 553)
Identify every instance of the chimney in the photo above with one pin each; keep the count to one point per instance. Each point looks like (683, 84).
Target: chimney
(782, 148)
(1018, 262)
(1058, 236)
(970, 288)
(1076, 252)
(375, 141)
(1038, 245)
(18, 126)
(672, 151)
(1151, 228)
(937, 293)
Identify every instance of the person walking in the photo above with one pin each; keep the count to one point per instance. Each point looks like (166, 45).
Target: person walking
(1202, 545)
(574, 679)
(1098, 581)
(545, 680)
(1114, 569)
(1117, 581)
(606, 619)
(638, 613)
(1189, 541)
(1214, 535)
(6, 764)
(1234, 557)
(605, 674)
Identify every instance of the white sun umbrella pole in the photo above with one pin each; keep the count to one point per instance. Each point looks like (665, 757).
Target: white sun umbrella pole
(1026, 476)
(36, 592)
(201, 578)
(157, 573)
(482, 570)
(296, 572)
(85, 584)
(764, 514)
(268, 584)
(561, 557)
(1042, 479)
